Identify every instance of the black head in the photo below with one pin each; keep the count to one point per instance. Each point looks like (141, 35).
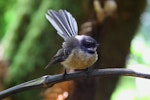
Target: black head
(88, 44)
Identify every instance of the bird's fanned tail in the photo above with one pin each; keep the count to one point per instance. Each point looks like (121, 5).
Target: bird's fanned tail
(63, 22)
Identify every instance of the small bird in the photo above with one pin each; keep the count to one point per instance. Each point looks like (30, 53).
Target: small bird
(78, 51)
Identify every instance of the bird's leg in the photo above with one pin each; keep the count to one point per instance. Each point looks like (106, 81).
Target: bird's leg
(88, 70)
(65, 72)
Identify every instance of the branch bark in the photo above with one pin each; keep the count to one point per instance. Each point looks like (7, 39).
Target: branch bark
(50, 80)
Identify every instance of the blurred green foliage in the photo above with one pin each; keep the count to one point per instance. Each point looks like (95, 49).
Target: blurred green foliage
(4, 6)
(26, 39)
(29, 41)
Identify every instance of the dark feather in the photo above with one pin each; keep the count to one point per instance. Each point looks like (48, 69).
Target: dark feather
(61, 55)
(64, 52)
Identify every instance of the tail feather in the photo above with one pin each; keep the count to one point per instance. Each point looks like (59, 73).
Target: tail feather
(72, 23)
(49, 64)
(63, 22)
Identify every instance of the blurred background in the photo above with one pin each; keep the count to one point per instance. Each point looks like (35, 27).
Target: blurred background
(28, 41)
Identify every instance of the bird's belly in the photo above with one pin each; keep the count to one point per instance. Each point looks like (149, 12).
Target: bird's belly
(78, 59)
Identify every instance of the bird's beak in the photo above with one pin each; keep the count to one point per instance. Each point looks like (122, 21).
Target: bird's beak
(91, 50)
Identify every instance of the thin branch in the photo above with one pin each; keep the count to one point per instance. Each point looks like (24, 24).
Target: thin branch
(50, 80)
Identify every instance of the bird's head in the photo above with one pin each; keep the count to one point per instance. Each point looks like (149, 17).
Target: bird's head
(87, 43)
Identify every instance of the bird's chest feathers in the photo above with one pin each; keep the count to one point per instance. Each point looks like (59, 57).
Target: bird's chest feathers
(78, 59)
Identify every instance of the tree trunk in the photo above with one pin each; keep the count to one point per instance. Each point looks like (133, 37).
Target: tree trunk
(114, 35)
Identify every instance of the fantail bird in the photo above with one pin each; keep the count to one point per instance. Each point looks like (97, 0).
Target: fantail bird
(78, 51)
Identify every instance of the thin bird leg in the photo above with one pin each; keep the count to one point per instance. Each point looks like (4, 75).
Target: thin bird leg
(65, 72)
(88, 70)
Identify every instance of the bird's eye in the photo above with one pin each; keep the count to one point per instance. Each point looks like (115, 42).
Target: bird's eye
(88, 44)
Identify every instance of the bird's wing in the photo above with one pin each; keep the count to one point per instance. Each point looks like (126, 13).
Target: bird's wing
(61, 55)
(63, 22)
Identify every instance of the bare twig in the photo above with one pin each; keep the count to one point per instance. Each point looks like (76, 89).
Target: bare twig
(49, 81)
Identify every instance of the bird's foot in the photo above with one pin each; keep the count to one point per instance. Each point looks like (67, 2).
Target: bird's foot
(65, 73)
(88, 71)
